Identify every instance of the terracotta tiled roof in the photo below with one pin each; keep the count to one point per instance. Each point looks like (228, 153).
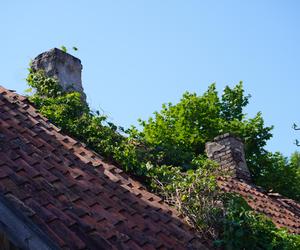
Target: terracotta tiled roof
(283, 212)
(71, 194)
(82, 202)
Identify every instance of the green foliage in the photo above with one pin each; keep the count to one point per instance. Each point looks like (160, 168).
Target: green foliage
(295, 161)
(173, 141)
(245, 229)
(178, 133)
(63, 48)
(233, 102)
(67, 111)
(286, 174)
(194, 193)
(44, 86)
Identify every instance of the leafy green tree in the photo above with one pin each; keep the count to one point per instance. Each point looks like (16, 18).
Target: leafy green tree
(233, 102)
(280, 175)
(295, 160)
(178, 133)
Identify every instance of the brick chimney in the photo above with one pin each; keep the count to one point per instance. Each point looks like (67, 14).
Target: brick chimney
(228, 151)
(63, 67)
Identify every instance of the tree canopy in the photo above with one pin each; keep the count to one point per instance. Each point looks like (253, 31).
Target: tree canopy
(178, 133)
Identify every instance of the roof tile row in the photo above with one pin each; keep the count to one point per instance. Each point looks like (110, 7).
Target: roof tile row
(79, 200)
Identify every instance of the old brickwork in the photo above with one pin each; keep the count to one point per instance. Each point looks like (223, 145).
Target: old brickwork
(228, 151)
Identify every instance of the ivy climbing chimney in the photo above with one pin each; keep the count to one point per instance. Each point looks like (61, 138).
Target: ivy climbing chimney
(229, 152)
(63, 67)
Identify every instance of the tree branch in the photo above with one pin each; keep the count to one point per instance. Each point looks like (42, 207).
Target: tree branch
(295, 127)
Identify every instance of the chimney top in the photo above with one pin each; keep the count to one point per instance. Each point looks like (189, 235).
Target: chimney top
(63, 67)
(228, 151)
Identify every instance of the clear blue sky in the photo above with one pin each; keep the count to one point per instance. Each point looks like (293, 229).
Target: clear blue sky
(139, 54)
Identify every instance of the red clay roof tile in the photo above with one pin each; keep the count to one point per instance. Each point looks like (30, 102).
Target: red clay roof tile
(283, 212)
(78, 205)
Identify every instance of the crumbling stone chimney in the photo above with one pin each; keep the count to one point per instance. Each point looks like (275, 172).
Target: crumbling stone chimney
(229, 152)
(63, 67)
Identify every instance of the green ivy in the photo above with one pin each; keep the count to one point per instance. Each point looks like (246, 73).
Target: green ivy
(67, 111)
(245, 229)
(167, 155)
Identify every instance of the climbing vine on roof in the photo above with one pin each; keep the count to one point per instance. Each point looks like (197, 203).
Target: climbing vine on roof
(168, 156)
